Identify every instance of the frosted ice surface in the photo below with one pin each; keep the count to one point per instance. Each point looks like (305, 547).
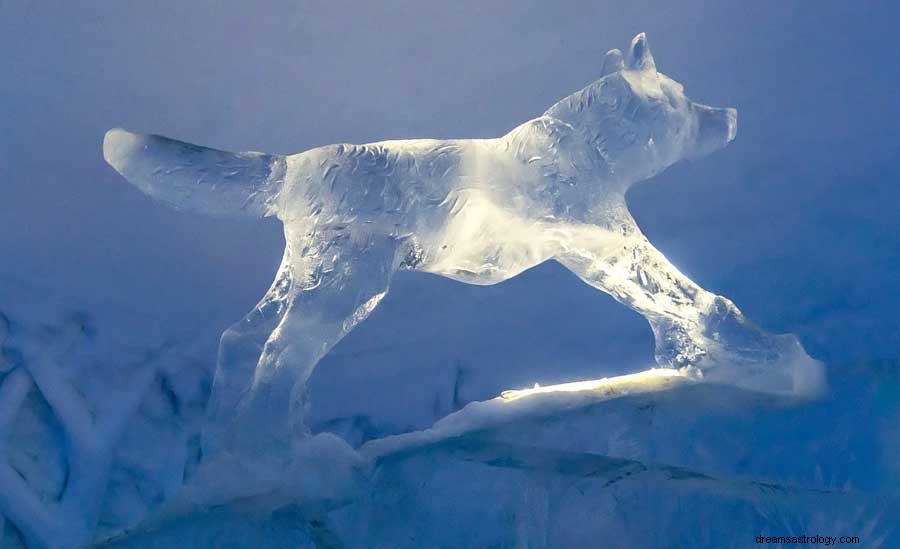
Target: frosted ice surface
(478, 211)
(643, 470)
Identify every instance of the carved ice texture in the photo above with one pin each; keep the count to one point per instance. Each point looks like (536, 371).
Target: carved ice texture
(478, 211)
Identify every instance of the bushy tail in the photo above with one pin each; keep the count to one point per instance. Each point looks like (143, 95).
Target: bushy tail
(194, 178)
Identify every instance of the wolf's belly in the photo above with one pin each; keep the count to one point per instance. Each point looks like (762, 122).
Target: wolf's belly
(483, 243)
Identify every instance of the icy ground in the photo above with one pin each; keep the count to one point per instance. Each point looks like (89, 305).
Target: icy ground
(659, 462)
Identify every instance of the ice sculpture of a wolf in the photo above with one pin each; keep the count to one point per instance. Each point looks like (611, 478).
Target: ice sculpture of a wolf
(476, 210)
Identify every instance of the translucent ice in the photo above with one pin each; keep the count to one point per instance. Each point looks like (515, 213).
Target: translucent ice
(479, 211)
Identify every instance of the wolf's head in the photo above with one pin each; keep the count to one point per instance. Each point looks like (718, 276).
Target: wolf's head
(639, 119)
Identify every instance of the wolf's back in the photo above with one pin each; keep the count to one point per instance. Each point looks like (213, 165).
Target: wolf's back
(194, 178)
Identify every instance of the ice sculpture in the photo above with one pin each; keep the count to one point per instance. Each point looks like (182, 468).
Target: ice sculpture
(480, 211)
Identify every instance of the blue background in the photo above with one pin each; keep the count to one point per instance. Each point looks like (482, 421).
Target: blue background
(796, 221)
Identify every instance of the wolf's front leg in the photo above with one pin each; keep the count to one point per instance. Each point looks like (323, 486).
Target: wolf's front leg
(324, 290)
(692, 327)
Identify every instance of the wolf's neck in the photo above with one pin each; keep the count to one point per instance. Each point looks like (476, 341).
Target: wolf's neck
(565, 167)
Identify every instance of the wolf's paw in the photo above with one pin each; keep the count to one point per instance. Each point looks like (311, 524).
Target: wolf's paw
(739, 352)
(321, 472)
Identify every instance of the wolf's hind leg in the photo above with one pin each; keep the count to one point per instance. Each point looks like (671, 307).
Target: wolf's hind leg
(330, 288)
(240, 348)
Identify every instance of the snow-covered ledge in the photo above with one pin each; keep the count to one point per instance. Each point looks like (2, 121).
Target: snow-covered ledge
(514, 405)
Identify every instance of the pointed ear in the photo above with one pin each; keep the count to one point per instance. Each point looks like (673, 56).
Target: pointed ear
(612, 62)
(639, 56)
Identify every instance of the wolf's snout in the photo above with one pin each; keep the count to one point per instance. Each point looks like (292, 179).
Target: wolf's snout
(715, 128)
